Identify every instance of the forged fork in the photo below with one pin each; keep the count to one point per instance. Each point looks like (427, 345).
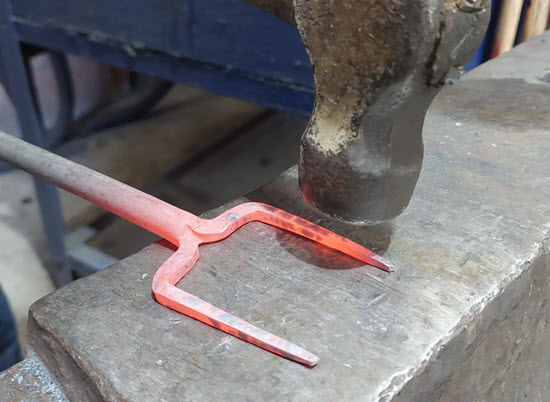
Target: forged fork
(184, 230)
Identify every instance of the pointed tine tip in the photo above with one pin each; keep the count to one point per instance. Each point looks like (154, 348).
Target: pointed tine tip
(371, 258)
(382, 263)
(312, 362)
(303, 357)
(297, 354)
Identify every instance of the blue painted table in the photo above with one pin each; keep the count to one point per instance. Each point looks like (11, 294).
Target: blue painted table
(224, 46)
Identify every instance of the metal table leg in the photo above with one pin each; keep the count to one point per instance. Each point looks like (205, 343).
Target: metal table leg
(18, 87)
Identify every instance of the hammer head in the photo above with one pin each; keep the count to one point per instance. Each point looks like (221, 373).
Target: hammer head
(377, 67)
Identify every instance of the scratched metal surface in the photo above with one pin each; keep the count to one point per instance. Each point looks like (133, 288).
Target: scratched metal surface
(29, 381)
(479, 217)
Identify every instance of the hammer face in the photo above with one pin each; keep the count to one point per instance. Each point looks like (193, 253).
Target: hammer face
(370, 179)
(351, 196)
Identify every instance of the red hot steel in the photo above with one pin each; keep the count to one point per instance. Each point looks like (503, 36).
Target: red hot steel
(184, 230)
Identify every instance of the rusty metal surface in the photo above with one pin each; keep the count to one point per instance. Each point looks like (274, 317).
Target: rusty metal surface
(30, 381)
(471, 279)
(377, 66)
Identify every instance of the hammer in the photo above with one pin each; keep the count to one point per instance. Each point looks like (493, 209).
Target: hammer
(377, 66)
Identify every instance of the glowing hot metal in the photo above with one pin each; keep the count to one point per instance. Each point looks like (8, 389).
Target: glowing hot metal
(184, 230)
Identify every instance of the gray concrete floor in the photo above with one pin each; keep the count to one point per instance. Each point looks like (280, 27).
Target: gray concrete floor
(254, 146)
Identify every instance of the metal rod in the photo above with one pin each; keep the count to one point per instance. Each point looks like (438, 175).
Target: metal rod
(110, 194)
(185, 230)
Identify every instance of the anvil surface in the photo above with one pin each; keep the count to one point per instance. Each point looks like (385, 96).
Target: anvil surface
(464, 316)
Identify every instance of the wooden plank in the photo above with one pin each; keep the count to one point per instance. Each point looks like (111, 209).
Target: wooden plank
(536, 19)
(507, 26)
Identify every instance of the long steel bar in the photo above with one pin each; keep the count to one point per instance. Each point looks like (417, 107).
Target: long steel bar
(119, 198)
(184, 230)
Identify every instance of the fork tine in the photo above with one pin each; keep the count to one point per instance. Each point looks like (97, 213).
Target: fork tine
(178, 300)
(194, 307)
(238, 216)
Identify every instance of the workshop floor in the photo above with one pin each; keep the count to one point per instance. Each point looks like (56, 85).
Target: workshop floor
(196, 150)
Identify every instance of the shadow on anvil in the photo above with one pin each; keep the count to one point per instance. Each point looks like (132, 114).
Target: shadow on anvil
(375, 238)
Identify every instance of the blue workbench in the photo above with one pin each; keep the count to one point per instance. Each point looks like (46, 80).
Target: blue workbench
(225, 46)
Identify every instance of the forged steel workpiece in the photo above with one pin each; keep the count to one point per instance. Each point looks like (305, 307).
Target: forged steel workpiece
(185, 231)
